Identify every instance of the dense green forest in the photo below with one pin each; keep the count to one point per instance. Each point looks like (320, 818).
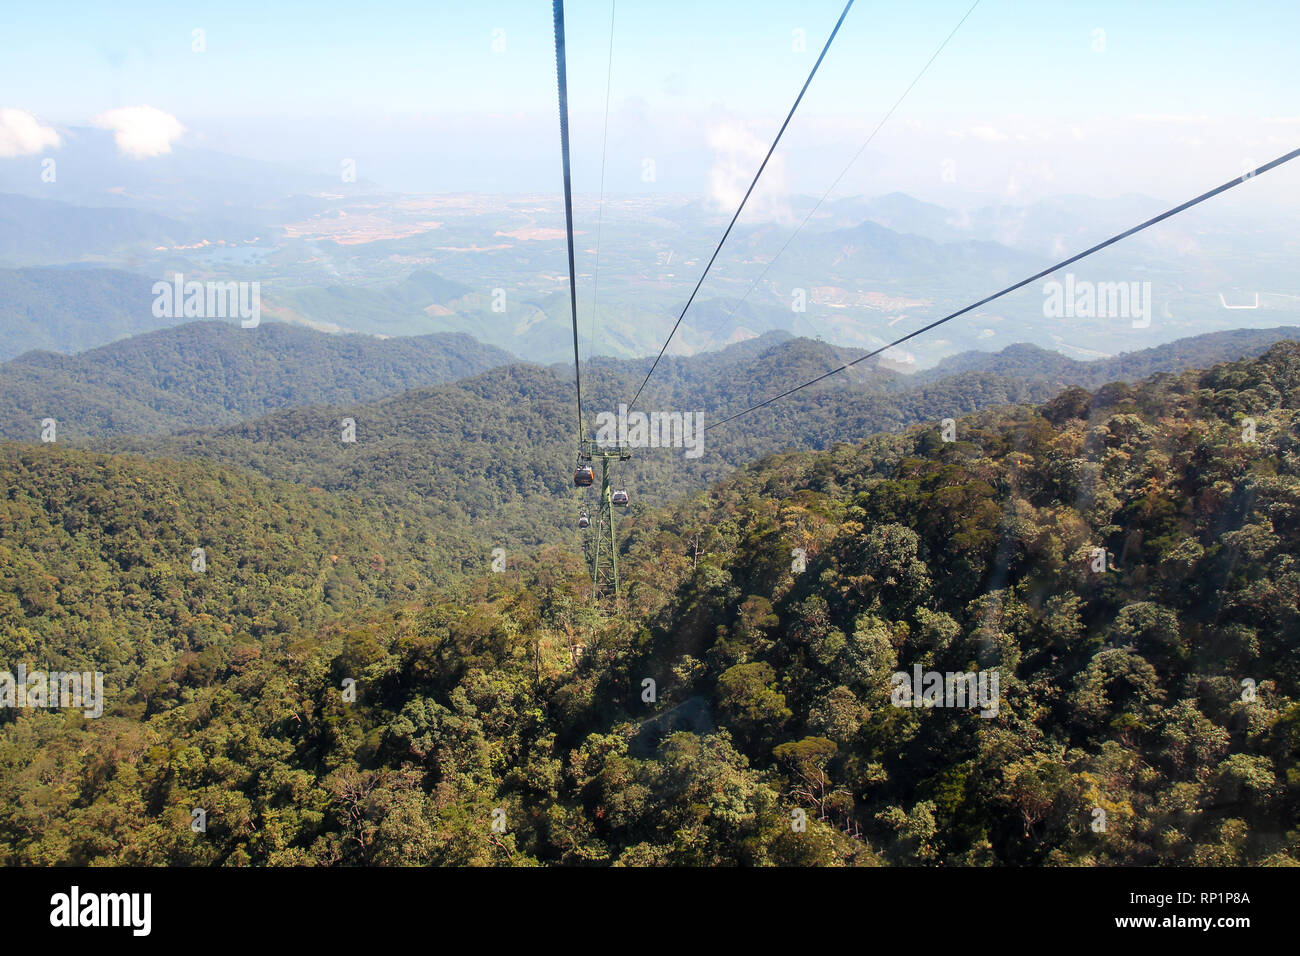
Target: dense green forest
(1195, 351)
(69, 307)
(97, 562)
(204, 374)
(494, 452)
(215, 373)
(1147, 708)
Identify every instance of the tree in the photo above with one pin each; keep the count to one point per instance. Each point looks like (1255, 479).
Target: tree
(806, 761)
(749, 701)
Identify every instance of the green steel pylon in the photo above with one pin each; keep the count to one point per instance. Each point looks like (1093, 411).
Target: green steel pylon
(602, 548)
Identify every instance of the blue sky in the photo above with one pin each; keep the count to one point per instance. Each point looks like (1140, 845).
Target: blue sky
(1182, 94)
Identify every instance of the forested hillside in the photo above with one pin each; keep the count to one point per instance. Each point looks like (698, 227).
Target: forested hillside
(494, 452)
(98, 569)
(422, 301)
(214, 373)
(205, 374)
(68, 309)
(1196, 351)
(35, 231)
(1147, 708)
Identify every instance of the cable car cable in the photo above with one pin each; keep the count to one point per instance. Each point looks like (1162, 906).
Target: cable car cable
(1024, 282)
(560, 71)
(780, 132)
(753, 285)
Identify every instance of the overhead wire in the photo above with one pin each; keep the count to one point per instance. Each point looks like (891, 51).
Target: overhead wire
(741, 207)
(753, 285)
(557, 8)
(1022, 283)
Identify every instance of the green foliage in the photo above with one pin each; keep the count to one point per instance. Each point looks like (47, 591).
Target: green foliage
(1147, 713)
(214, 373)
(97, 566)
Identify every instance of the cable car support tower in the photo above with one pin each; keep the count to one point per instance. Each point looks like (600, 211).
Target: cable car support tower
(602, 549)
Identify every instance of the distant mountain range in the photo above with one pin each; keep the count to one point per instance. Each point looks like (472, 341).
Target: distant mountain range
(194, 185)
(422, 302)
(207, 374)
(493, 453)
(1040, 228)
(214, 373)
(874, 253)
(69, 309)
(851, 279)
(338, 256)
(1197, 351)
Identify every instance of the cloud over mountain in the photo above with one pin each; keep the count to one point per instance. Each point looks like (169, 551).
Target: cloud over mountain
(141, 131)
(22, 134)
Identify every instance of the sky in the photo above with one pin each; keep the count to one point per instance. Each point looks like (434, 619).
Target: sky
(1028, 99)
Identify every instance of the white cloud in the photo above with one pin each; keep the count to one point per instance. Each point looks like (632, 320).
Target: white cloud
(21, 134)
(737, 154)
(141, 131)
(988, 134)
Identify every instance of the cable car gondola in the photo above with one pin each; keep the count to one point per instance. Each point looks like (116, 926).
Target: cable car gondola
(583, 520)
(620, 499)
(584, 476)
